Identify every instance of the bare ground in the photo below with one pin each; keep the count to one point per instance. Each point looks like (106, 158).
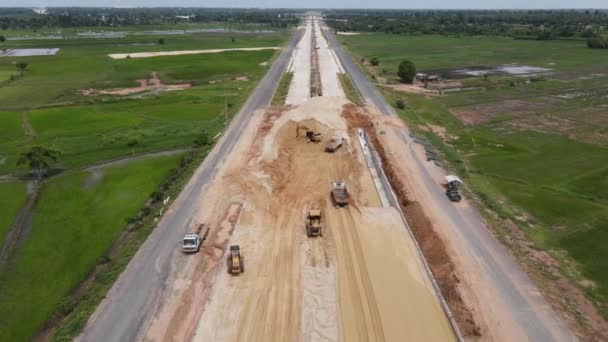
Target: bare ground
(153, 83)
(480, 114)
(360, 281)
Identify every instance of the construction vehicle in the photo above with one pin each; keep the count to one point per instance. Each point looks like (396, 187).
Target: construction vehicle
(453, 190)
(235, 261)
(339, 194)
(309, 134)
(312, 136)
(191, 243)
(333, 144)
(313, 223)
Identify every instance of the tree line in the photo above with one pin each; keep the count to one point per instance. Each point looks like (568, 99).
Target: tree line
(529, 24)
(57, 17)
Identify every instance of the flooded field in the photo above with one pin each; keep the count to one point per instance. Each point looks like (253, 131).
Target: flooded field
(28, 52)
(500, 70)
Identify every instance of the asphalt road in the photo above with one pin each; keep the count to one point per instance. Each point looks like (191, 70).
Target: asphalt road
(366, 89)
(138, 290)
(530, 311)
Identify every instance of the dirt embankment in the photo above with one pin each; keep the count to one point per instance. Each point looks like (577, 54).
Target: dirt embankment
(151, 84)
(433, 248)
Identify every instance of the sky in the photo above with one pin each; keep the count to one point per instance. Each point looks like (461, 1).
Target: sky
(397, 4)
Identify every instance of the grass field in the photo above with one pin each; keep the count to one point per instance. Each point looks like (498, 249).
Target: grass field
(12, 197)
(438, 52)
(536, 153)
(12, 139)
(77, 218)
(104, 130)
(6, 74)
(101, 71)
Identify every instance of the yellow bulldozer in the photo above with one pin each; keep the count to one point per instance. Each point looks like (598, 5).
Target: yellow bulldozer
(235, 261)
(313, 223)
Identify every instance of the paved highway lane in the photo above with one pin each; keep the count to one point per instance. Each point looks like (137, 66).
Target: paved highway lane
(366, 89)
(137, 292)
(529, 310)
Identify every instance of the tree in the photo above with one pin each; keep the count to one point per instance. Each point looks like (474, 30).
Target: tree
(39, 159)
(374, 61)
(202, 140)
(21, 66)
(2, 39)
(407, 71)
(400, 104)
(597, 43)
(161, 41)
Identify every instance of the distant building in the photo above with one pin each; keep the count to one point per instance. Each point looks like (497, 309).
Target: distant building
(41, 11)
(426, 77)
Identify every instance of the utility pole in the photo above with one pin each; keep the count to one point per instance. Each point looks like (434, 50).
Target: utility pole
(225, 95)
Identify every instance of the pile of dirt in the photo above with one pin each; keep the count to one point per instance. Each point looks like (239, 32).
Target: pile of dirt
(433, 248)
(411, 89)
(436, 255)
(153, 83)
(359, 119)
(325, 111)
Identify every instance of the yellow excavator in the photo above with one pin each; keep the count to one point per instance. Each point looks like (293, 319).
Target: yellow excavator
(309, 134)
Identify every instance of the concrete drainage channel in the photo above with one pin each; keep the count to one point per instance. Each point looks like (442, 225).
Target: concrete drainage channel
(388, 198)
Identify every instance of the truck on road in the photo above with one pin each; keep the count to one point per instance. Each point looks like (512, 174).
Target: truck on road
(453, 188)
(191, 243)
(339, 194)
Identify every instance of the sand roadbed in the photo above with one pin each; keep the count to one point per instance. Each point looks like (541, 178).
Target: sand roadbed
(183, 52)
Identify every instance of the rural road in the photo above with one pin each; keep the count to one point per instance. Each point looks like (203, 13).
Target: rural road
(137, 292)
(529, 310)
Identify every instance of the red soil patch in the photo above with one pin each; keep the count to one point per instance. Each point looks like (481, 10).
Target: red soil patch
(153, 83)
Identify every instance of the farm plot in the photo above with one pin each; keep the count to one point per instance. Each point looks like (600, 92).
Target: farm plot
(12, 197)
(76, 220)
(100, 71)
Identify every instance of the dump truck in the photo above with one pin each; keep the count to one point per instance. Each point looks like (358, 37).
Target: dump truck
(333, 144)
(313, 223)
(191, 243)
(235, 261)
(339, 194)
